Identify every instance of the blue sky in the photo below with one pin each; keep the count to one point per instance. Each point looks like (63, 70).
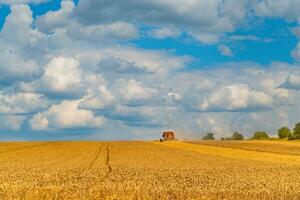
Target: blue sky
(88, 69)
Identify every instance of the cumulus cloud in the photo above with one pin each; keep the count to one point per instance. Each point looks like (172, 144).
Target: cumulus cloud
(133, 92)
(291, 82)
(16, 34)
(238, 97)
(159, 62)
(22, 103)
(65, 115)
(14, 67)
(117, 65)
(103, 32)
(17, 30)
(225, 50)
(56, 19)
(62, 78)
(201, 19)
(144, 116)
(162, 33)
(100, 99)
(275, 8)
(69, 67)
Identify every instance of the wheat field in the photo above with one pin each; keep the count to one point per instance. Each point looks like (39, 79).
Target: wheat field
(150, 170)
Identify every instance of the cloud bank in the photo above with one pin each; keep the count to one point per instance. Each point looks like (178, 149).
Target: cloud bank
(79, 67)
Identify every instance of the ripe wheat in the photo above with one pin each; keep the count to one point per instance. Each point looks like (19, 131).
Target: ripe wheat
(146, 170)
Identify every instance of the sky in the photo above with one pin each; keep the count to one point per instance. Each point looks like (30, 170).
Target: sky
(130, 69)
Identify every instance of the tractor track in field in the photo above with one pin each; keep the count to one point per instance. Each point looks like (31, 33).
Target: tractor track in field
(107, 161)
(96, 157)
(102, 153)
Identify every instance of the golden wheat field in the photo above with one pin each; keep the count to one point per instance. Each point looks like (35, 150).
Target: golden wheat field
(150, 170)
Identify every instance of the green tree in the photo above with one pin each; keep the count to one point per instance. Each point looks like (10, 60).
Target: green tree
(284, 132)
(209, 136)
(291, 136)
(237, 136)
(260, 135)
(297, 131)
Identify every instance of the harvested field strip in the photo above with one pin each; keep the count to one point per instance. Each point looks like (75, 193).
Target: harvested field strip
(278, 147)
(236, 153)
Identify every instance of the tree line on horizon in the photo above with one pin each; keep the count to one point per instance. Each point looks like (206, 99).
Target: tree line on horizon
(283, 133)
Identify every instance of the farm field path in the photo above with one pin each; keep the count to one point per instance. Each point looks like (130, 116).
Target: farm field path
(146, 170)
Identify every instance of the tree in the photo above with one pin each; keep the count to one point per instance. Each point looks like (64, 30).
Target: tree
(291, 137)
(284, 132)
(209, 136)
(297, 131)
(237, 136)
(260, 135)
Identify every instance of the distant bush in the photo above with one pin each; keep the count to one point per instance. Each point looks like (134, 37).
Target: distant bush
(235, 136)
(209, 136)
(291, 137)
(260, 135)
(296, 133)
(284, 132)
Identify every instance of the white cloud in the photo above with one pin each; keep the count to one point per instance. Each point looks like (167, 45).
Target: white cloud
(99, 99)
(236, 97)
(87, 58)
(63, 77)
(56, 19)
(162, 33)
(14, 67)
(62, 73)
(39, 122)
(65, 115)
(159, 62)
(288, 9)
(133, 92)
(22, 103)
(225, 50)
(142, 116)
(16, 35)
(291, 82)
(117, 65)
(17, 30)
(103, 32)
(199, 18)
